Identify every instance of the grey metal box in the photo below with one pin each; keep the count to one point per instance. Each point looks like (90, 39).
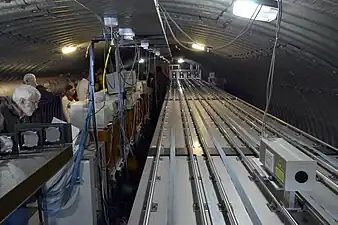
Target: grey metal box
(294, 170)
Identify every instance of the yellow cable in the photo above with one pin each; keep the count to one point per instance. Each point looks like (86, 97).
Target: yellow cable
(105, 70)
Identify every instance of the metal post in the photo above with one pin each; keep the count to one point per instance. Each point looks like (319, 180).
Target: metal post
(290, 199)
(121, 101)
(91, 71)
(92, 99)
(155, 86)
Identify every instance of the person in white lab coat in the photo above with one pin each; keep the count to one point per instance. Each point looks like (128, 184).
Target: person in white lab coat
(67, 99)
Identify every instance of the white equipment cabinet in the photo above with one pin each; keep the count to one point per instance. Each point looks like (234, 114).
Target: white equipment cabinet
(294, 170)
(85, 207)
(105, 112)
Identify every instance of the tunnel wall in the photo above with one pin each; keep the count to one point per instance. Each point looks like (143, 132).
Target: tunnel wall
(305, 91)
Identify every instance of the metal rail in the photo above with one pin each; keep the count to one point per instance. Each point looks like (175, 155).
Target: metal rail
(249, 208)
(320, 161)
(225, 201)
(328, 164)
(154, 173)
(249, 165)
(309, 136)
(193, 164)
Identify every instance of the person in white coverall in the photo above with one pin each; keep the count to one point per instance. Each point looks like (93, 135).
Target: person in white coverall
(13, 110)
(18, 108)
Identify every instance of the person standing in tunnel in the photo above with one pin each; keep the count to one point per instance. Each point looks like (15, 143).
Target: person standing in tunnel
(159, 84)
(67, 99)
(162, 85)
(30, 79)
(49, 105)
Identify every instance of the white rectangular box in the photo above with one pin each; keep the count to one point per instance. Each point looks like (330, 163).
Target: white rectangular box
(294, 170)
(79, 112)
(84, 207)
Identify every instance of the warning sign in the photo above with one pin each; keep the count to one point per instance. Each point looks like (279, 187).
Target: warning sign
(279, 171)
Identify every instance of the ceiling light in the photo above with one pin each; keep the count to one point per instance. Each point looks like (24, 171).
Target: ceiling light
(199, 47)
(68, 49)
(145, 44)
(248, 9)
(141, 60)
(157, 53)
(180, 60)
(111, 21)
(127, 33)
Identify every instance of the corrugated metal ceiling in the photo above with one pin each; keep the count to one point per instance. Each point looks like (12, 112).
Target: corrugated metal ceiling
(311, 26)
(33, 31)
(305, 88)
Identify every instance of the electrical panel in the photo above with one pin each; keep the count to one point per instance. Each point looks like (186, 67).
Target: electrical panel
(40, 135)
(292, 169)
(191, 72)
(127, 79)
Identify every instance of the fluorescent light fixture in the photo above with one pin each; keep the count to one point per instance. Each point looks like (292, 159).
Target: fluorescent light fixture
(111, 21)
(141, 60)
(144, 44)
(247, 9)
(68, 49)
(127, 33)
(180, 60)
(199, 47)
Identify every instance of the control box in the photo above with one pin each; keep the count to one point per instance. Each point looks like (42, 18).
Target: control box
(187, 71)
(185, 74)
(128, 80)
(293, 170)
(79, 112)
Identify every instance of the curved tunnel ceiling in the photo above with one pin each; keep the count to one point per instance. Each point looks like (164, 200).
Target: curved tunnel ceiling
(305, 87)
(32, 32)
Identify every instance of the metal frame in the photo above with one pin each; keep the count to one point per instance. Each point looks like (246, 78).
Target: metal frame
(240, 190)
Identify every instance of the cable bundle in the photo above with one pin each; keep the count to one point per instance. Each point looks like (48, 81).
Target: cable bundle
(269, 84)
(59, 192)
(245, 29)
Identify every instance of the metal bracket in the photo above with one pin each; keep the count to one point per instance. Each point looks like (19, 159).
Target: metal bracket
(195, 207)
(272, 206)
(253, 179)
(222, 207)
(333, 178)
(154, 207)
(295, 210)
